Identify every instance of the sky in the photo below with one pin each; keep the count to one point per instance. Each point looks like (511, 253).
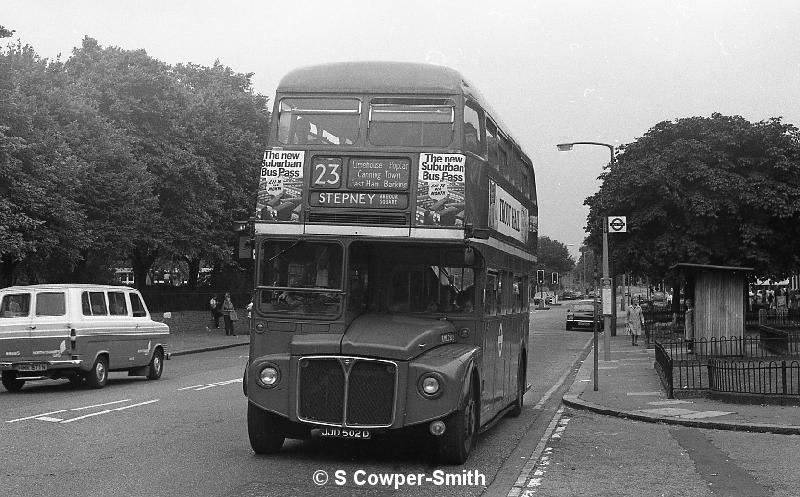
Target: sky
(555, 71)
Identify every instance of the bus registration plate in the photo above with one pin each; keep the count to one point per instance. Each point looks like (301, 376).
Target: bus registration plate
(345, 433)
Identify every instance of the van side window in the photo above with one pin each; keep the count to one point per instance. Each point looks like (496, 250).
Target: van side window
(116, 304)
(94, 304)
(15, 305)
(51, 304)
(137, 306)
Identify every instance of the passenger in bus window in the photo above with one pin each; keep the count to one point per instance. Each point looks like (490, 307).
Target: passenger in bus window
(466, 299)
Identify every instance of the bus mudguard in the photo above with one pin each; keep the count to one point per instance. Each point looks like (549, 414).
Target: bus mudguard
(453, 366)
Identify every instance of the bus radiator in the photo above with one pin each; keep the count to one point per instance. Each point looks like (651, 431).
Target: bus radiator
(334, 389)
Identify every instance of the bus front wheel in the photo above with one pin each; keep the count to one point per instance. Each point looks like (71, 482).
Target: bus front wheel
(461, 430)
(265, 430)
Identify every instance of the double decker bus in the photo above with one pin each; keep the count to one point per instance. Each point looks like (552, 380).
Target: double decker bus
(394, 238)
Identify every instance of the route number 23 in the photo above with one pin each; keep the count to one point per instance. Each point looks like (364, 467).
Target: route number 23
(327, 174)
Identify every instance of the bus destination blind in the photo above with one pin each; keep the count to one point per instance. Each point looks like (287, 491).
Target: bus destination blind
(378, 174)
(371, 200)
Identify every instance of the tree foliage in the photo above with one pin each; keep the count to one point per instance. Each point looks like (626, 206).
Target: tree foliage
(554, 257)
(113, 156)
(717, 190)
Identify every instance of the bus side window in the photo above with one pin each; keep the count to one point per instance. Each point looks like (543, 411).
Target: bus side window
(473, 141)
(494, 144)
(491, 294)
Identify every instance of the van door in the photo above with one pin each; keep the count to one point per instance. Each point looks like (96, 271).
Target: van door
(144, 328)
(15, 326)
(50, 327)
(128, 342)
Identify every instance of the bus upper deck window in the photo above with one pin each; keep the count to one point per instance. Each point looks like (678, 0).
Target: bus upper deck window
(411, 122)
(319, 121)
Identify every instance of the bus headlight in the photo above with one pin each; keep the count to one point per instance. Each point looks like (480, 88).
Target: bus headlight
(268, 376)
(430, 385)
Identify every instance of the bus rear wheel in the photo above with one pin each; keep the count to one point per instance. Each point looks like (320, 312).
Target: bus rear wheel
(461, 430)
(265, 430)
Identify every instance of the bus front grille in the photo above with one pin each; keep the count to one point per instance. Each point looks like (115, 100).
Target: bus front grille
(383, 219)
(366, 387)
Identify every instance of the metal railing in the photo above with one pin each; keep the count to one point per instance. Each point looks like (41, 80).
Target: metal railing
(746, 365)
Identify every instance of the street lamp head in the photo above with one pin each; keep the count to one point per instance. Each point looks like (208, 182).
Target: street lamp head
(564, 147)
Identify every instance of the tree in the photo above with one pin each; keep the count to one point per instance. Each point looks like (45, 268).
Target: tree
(554, 257)
(717, 190)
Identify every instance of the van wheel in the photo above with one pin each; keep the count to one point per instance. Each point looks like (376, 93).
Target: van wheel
(521, 380)
(265, 430)
(461, 430)
(156, 366)
(98, 376)
(11, 382)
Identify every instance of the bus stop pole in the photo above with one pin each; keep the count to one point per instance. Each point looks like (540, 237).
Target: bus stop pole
(606, 317)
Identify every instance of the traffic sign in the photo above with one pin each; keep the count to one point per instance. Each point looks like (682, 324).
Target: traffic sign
(617, 224)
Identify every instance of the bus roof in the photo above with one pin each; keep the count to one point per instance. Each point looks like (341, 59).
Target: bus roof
(383, 77)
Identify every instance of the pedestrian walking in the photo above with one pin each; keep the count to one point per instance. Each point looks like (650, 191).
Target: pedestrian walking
(215, 314)
(634, 322)
(250, 314)
(229, 314)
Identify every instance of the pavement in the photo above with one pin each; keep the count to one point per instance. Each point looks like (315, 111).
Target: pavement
(628, 386)
(204, 339)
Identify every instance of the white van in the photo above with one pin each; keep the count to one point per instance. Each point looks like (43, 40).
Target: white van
(78, 332)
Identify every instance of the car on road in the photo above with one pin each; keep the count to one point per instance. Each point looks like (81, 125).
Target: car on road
(77, 332)
(580, 315)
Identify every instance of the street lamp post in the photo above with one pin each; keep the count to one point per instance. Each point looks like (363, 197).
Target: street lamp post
(607, 318)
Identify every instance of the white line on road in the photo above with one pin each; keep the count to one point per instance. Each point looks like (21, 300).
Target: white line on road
(36, 416)
(106, 411)
(189, 388)
(197, 388)
(100, 405)
(135, 405)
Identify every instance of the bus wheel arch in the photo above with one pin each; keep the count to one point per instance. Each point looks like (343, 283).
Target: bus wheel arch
(461, 433)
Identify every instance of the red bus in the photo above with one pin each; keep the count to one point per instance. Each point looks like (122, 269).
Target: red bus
(395, 235)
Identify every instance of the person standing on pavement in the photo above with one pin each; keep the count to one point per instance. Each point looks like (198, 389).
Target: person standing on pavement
(228, 311)
(634, 320)
(212, 304)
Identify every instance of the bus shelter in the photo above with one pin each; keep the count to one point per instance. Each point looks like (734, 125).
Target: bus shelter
(720, 295)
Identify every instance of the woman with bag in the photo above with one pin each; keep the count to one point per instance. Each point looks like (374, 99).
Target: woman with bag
(229, 312)
(635, 320)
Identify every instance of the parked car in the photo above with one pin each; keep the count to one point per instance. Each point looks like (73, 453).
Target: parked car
(580, 315)
(77, 332)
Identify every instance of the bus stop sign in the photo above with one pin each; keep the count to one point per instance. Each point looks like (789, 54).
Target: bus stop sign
(617, 224)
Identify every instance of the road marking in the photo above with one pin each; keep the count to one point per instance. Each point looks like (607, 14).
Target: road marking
(100, 405)
(135, 405)
(48, 418)
(36, 416)
(106, 411)
(197, 388)
(534, 470)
